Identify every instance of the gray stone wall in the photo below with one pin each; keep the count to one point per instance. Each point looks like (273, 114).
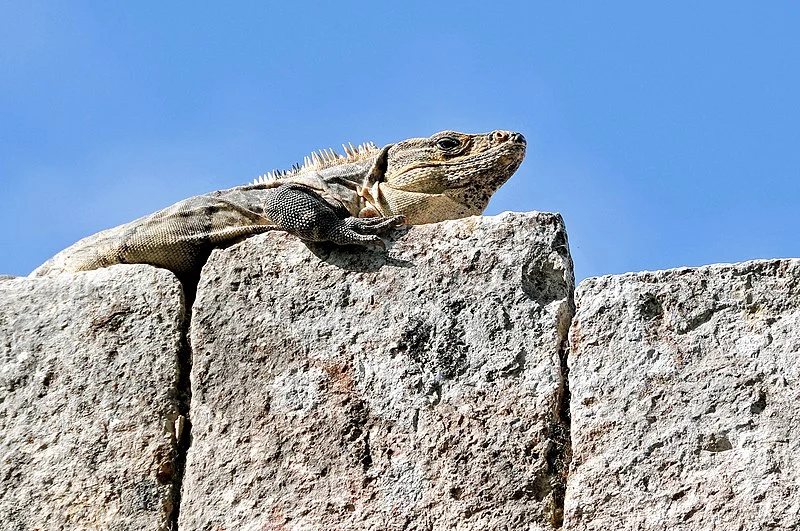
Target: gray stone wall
(414, 389)
(89, 370)
(441, 384)
(685, 388)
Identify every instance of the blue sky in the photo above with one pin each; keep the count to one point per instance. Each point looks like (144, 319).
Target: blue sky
(666, 135)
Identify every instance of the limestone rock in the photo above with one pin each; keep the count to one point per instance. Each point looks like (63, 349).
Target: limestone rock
(685, 399)
(414, 389)
(88, 373)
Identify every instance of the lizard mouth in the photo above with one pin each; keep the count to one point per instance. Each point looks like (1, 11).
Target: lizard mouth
(512, 166)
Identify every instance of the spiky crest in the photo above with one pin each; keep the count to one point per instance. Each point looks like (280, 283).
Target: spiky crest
(321, 160)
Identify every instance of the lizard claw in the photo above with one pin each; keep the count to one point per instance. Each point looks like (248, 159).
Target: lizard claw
(347, 236)
(364, 231)
(374, 225)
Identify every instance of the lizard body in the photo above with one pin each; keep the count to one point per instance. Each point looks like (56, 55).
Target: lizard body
(344, 199)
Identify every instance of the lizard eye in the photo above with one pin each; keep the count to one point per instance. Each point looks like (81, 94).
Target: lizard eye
(446, 143)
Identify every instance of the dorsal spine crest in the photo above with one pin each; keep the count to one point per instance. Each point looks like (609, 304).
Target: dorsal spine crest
(319, 160)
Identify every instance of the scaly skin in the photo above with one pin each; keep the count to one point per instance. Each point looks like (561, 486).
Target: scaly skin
(347, 200)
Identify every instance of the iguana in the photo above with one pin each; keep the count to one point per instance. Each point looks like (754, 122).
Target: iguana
(344, 199)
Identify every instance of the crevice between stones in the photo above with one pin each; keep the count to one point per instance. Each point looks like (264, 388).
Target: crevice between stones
(183, 396)
(559, 458)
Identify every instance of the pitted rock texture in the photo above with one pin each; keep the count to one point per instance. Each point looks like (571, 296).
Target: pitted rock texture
(88, 369)
(414, 389)
(685, 390)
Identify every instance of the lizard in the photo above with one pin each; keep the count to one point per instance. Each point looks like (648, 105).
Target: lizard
(349, 199)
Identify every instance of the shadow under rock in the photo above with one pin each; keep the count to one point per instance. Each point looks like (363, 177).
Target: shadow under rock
(357, 258)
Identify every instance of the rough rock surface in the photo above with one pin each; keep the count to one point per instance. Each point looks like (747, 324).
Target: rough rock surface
(88, 369)
(414, 389)
(685, 393)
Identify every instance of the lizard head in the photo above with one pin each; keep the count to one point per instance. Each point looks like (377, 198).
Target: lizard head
(449, 175)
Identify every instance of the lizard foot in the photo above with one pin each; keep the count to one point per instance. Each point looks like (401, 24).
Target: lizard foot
(301, 211)
(363, 231)
(375, 225)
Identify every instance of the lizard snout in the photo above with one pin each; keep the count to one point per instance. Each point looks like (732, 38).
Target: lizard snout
(517, 138)
(499, 137)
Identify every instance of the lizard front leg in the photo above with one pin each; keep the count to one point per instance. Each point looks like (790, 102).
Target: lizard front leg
(301, 211)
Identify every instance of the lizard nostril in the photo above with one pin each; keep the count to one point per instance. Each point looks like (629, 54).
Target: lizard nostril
(518, 138)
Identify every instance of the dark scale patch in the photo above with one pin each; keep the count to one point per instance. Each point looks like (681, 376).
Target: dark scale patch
(208, 223)
(302, 212)
(297, 209)
(123, 249)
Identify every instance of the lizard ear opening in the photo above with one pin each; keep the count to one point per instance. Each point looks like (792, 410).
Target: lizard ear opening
(378, 171)
(369, 190)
